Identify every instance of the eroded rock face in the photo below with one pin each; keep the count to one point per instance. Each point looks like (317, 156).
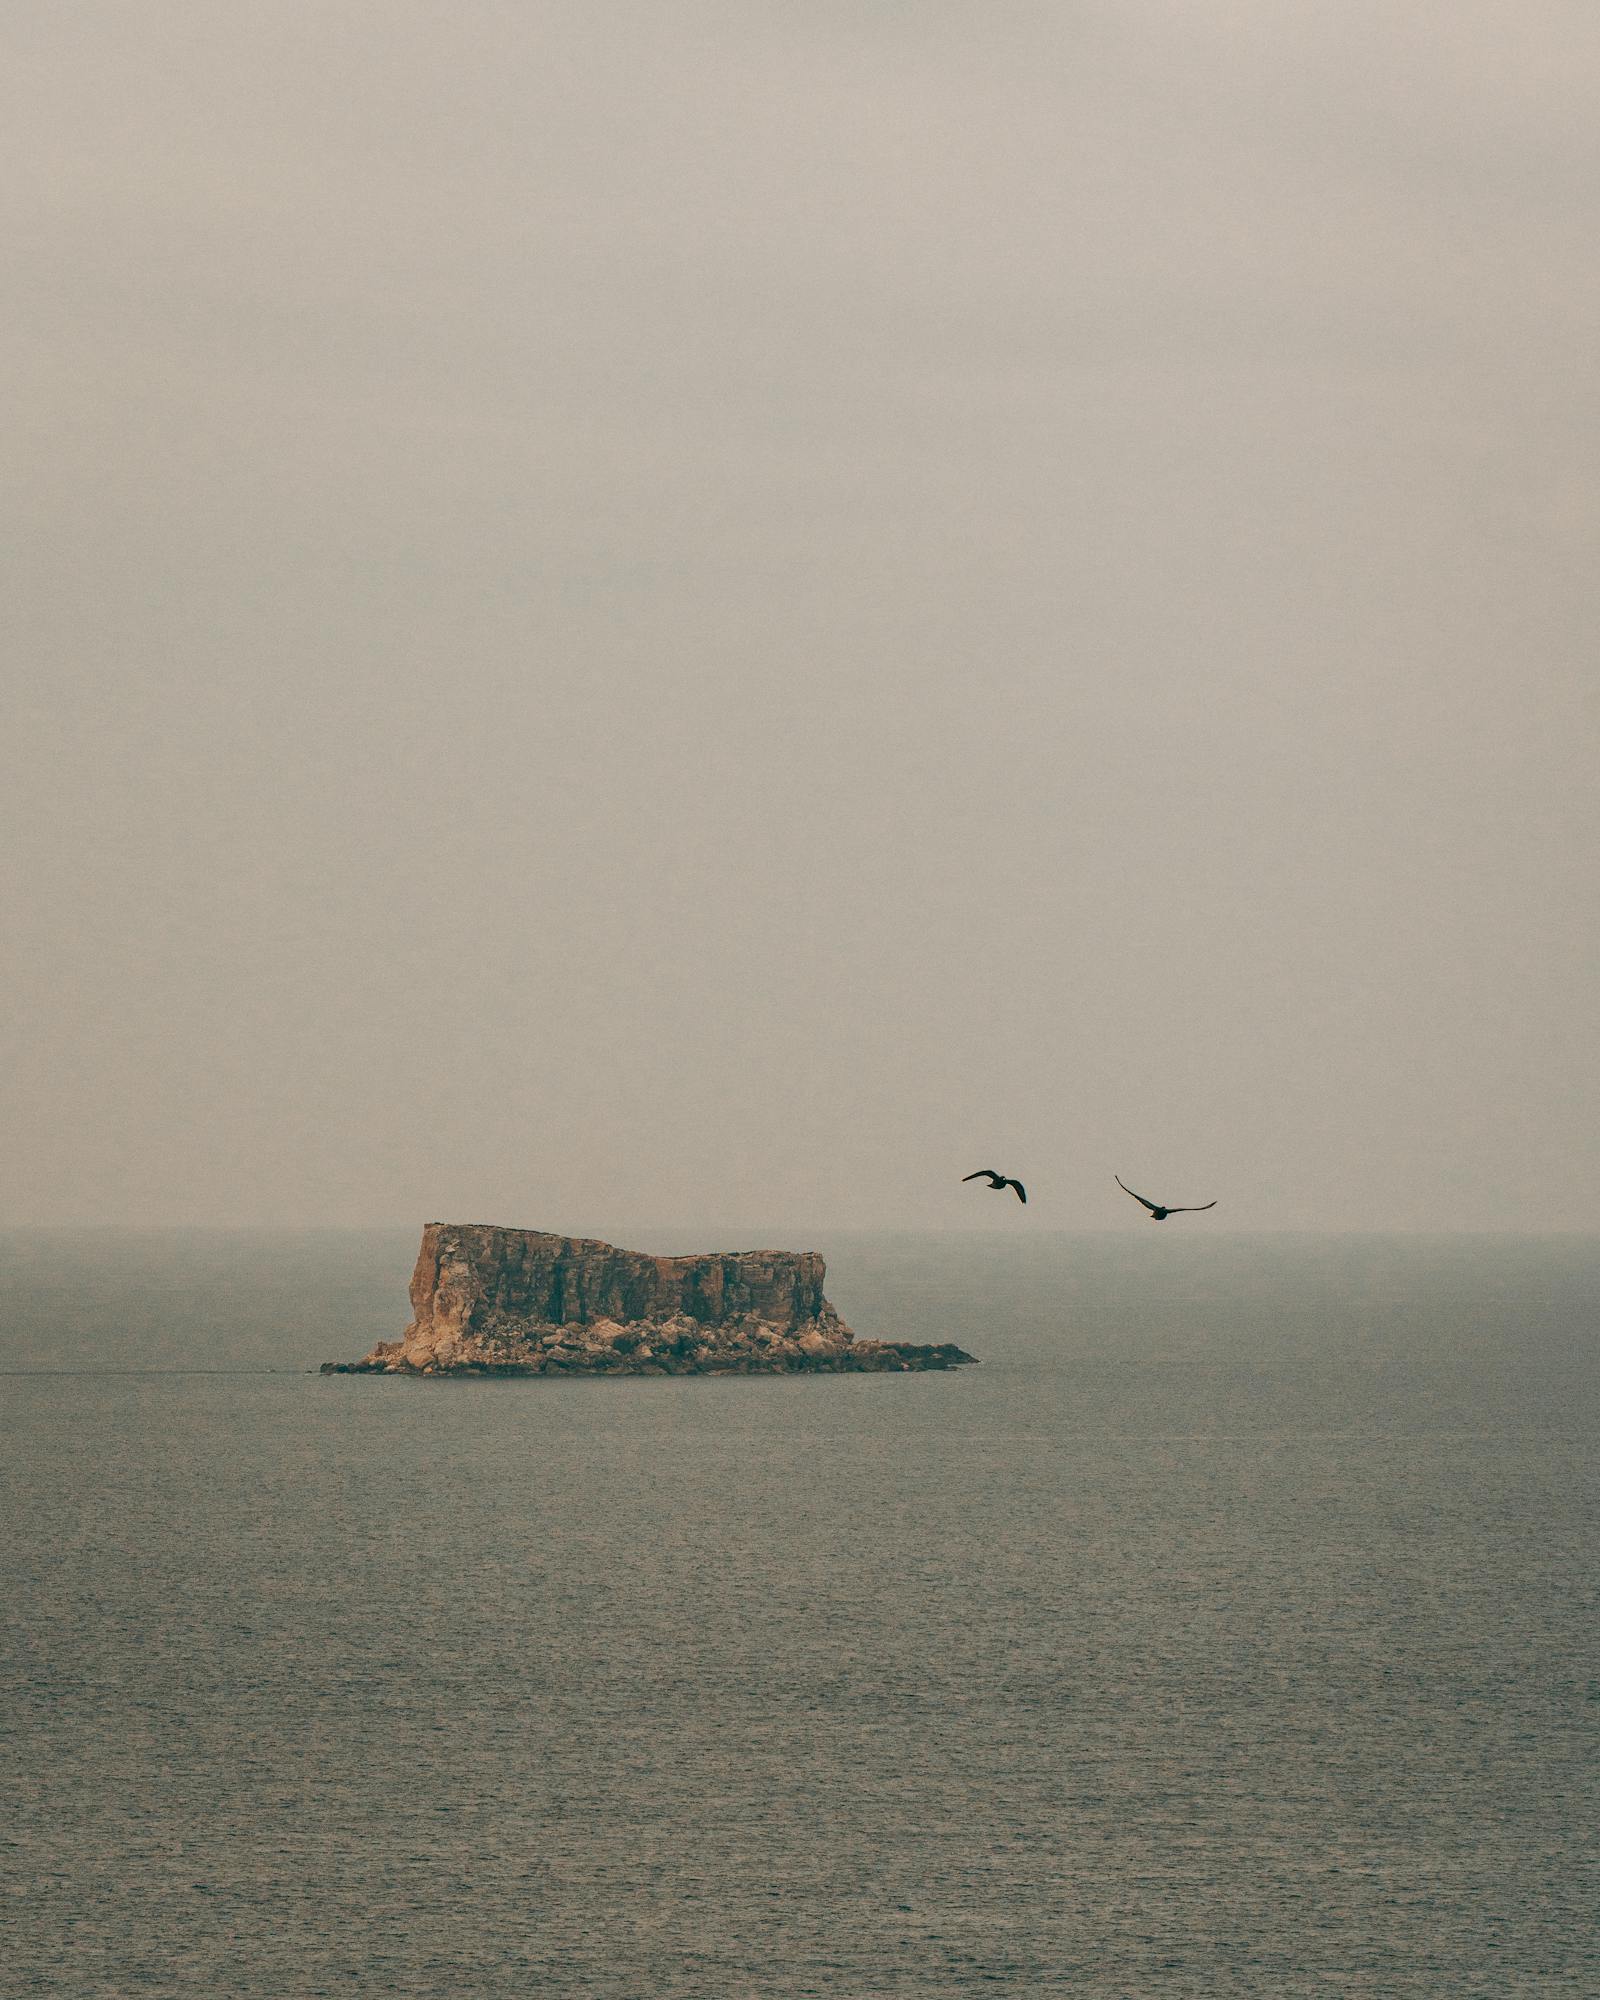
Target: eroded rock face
(518, 1301)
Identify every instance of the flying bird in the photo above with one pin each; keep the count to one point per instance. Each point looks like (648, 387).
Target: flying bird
(1157, 1212)
(997, 1181)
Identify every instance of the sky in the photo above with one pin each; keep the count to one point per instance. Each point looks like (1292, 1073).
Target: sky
(721, 613)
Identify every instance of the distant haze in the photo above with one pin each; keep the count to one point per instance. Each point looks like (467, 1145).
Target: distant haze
(638, 612)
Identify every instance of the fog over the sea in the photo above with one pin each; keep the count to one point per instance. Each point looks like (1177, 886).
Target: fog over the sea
(708, 613)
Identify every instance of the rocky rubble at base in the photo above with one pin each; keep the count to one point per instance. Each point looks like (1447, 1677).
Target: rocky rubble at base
(489, 1301)
(663, 1355)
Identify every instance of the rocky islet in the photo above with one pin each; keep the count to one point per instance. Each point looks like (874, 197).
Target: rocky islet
(493, 1301)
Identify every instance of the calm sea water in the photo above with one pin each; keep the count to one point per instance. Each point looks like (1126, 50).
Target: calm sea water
(1232, 1630)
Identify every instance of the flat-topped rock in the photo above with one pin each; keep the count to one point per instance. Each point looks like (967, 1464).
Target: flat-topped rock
(496, 1301)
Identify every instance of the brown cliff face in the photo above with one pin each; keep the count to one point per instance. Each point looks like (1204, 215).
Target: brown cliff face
(488, 1300)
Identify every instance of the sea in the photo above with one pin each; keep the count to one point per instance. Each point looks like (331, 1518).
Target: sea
(1232, 1629)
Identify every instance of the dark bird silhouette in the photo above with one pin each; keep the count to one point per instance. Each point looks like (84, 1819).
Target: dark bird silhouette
(997, 1181)
(1157, 1212)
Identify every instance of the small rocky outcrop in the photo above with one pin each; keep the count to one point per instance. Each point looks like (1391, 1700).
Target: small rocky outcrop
(487, 1301)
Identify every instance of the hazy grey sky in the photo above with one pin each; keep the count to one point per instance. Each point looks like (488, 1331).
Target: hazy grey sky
(724, 612)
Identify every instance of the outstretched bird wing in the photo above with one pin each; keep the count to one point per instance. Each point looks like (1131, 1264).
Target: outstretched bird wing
(1022, 1192)
(1192, 1211)
(983, 1174)
(1121, 1183)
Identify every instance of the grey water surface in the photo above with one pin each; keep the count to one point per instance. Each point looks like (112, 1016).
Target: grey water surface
(1232, 1630)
